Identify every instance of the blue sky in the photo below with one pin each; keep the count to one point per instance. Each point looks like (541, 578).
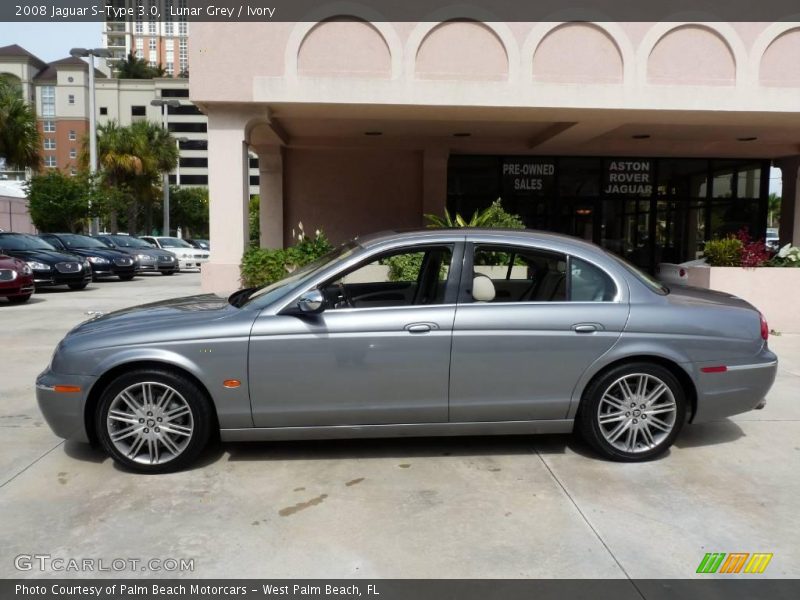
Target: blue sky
(51, 41)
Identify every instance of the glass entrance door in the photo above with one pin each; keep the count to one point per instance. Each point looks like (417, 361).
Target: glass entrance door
(625, 229)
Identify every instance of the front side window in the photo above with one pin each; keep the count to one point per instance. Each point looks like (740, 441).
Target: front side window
(408, 277)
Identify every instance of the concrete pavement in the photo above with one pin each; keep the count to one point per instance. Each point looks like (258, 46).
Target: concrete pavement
(453, 507)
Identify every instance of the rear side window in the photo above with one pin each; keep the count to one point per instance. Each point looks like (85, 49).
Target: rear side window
(589, 283)
(521, 274)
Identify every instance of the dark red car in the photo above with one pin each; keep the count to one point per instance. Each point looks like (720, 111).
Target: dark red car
(16, 279)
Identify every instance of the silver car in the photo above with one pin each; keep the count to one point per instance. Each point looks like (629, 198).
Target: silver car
(434, 332)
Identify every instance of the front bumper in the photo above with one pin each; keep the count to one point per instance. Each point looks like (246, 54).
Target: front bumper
(740, 388)
(47, 278)
(192, 263)
(18, 287)
(64, 411)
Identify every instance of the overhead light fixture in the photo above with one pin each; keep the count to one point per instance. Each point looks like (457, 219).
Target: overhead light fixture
(462, 134)
(641, 136)
(750, 138)
(373, 133)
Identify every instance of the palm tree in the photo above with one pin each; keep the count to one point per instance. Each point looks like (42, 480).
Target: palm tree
(138, 68)
(774, 209)
(159, 154)
(19, 136)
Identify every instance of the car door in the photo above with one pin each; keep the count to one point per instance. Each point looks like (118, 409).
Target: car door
(378, 354)
(518, 356)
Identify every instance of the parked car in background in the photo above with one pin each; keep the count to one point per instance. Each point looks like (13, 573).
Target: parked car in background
(50, 266)
(676, 274)
(16, 279)
(148, 257)
(105, 261)
(202, 244)
(772, 240)
(434, 332)
(188, 256)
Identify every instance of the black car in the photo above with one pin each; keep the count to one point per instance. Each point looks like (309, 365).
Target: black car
(50, 266)
(105, 261)
(148, 257)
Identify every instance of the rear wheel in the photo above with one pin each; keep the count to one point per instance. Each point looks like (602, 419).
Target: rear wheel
(633, 412)
(78, 286)
(19, 299)
(153, 421)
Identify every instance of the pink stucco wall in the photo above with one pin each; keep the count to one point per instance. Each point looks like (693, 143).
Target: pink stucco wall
(780, 65)
(690, 55)
(593, 56)
(365, 54)
(461, 50)
(352, 191)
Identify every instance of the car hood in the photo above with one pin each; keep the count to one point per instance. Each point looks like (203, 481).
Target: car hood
(167, 315)
(108, 253)
(701, 296)
(49, 257)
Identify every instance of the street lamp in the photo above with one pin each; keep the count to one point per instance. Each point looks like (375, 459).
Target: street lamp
(91, 53)
(178, 142)
(163, 103)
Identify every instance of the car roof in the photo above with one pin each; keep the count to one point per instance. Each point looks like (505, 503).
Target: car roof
(502, 235)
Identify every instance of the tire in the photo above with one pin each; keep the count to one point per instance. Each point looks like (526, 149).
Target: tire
(19, 299)
(127, 277)
(78, 286)
(168, 272)
(135, 438)
(625, 434)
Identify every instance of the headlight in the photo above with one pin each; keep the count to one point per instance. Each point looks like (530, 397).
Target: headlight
(98, 260)
(38, 266)
(26, 269)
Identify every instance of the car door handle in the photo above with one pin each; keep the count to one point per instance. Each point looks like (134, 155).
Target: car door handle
(418, 327)
(584, 328)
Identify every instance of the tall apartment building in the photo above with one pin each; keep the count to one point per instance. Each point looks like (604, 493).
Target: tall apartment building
(163, 41)
(60, 93)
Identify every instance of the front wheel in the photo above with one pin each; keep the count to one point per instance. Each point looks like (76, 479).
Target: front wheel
(153, 421)
(633, 412)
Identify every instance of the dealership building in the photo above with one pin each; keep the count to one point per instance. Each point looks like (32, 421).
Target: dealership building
(646, 138)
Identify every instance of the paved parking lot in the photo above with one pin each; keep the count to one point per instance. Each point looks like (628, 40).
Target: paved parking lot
(461, 507)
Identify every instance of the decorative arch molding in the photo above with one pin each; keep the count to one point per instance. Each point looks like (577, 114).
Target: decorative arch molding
(765, 40)
(724, 31)
(352, 10)
(617, 35)
(458, 12)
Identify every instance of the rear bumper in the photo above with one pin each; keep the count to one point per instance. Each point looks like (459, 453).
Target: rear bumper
(740, 388)
(64, 411)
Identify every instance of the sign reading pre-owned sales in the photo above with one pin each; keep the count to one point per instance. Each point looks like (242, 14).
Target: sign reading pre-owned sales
(628, 177)
(524, 176)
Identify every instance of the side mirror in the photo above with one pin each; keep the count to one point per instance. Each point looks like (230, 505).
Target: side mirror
(312, 302)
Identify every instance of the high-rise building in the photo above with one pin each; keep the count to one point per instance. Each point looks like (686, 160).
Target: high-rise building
(154, 36)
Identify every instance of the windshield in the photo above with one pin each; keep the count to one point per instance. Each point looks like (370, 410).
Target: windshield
(172, 242)
(647, 279)
(23, 242)
(127, 241)
(71, 240)
(292, 281)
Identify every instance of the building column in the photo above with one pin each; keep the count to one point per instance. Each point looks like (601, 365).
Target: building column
(228, 190)
(790, 200)
(270, 189)
(434, 181)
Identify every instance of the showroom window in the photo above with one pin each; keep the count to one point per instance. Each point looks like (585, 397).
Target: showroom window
(407, 277)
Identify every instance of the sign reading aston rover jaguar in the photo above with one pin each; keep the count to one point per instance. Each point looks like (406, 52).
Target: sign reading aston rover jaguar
(528, 176)
(628, 177)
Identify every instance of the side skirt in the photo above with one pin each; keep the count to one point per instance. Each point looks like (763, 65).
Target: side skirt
(255, 434)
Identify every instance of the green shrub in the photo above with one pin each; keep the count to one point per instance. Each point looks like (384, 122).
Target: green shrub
(493, 216)
(262, 266)
(726, 252)
(404, 267)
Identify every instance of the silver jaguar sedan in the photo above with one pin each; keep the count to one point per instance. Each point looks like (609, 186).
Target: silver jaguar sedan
(425, 333)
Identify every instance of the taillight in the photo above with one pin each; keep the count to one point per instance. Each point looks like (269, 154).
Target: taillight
(764, 328)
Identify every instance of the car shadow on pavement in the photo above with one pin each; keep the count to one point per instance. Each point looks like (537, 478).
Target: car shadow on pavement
(32, 300)
(709, 434)
(85, 452)
(419, 447)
